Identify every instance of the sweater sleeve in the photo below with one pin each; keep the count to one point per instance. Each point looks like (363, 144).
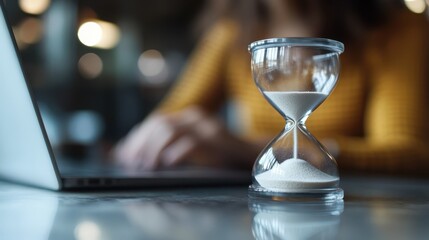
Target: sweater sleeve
(202, 81)
(395, 136)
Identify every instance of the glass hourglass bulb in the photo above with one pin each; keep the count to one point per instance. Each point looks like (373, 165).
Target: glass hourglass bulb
(295, 75)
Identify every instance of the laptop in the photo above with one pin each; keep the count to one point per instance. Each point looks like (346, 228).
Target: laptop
(27, 157)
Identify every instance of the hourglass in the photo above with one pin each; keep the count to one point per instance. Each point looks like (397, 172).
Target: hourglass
(295, 75)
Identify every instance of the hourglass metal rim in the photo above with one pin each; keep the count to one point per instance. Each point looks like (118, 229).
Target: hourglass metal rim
(325, 43)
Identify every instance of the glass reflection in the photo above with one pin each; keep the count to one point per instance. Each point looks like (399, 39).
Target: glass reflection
(174, 220)
(280, 220)
(26, 213)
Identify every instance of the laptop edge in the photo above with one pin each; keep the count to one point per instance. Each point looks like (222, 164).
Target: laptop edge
(26, 155)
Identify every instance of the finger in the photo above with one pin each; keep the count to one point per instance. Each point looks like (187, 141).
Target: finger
(170, 129)
(164, 132)
(128, 148)
(161, 137)
(195, 126)
(178, 151)
(189, 116)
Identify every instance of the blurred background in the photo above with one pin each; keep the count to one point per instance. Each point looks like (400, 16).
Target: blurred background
(99, 67)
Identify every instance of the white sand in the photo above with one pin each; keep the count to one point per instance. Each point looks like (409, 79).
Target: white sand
(295, 175)
(295, 104)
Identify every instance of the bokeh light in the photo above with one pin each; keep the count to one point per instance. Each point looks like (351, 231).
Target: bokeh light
(99, 34)
(416, 6)
(34, 6)
(84, 126)
(153, 66)
(87, 230)
(89, 33)
(30, 30)
(90, 65)
(151, 63)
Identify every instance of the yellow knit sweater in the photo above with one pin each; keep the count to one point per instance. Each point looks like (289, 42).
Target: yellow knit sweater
(376, 113)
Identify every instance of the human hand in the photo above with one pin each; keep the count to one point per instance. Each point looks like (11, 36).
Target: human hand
(189, 136)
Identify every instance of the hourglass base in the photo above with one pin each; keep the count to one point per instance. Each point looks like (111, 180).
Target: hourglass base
(309, 195)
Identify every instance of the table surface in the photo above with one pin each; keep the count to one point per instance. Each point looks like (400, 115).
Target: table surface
(373, 208)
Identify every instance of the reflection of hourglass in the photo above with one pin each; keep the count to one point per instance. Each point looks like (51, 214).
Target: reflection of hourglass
(276, 220)
(295, 75)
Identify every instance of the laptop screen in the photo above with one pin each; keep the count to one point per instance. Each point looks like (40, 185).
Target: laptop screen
(24, 153)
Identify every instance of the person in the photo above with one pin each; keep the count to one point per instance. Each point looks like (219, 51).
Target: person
(374, 120)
